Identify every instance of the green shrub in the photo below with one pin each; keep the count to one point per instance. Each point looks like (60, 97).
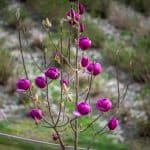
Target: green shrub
(123, 17)
(50, 7)
(143, 43)
(95, 34)
(6, 66)
(139, 5)
(3, 4)
(54, 9)
(98, 7)
(143, 128)
(128, 59)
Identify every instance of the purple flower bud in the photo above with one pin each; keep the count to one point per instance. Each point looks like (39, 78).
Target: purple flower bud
(90, 67)
(94, 68)
(64, 82)
(97, 69)
(82, 27)
(84, 43)
(55, 137)
(81, 9)
(73, 16)
(23, 85)
(77, 17)
(82, 109)
(84, 61)
(36, 114)
(41, 82)
(72, 13)
(104, 104)
(52, 73)
(113, 123)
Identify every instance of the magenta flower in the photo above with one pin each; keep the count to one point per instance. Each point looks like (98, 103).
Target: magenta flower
(113, 123)
(81, 9)
(73, 16)
(64, 82)
(84, 61)
(82, 27)
(84, 43)
(23, 85)
(52, 73)
(94, 68)
(104, 104)
(82, 109)
(36, 114)
(41, 82)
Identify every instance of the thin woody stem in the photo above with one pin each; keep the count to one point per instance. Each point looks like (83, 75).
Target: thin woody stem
(90, 85)
(34, 62)
(118, 87)
(22, 56)
(51, 40)
(76, 134)
(53, 126)
(24, 65)
(61, 76)
(47, 90)
(90, 124)
(60, 140)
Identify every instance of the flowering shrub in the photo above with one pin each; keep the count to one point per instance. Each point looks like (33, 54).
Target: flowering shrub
(69, 83)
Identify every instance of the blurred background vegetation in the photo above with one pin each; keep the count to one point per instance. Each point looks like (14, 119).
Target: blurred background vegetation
(120, 33)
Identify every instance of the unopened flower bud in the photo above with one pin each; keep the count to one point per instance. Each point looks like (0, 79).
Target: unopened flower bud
(23, 85)
(82, 27)
(36, 114)
(52, 73)
(55, 137)
(104, 104)
(81, 9)
(84, 61)
(41, 82)
(94, 68)
(84, 43)
(113, 123)
(82, 109)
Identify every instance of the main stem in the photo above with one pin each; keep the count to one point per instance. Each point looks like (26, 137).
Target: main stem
(77, 90)
(59, 138)
(76, 101)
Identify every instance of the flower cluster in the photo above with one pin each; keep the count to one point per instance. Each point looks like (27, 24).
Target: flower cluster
(52, 73)
(41, 82)
(102, 104)
(92, 68)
